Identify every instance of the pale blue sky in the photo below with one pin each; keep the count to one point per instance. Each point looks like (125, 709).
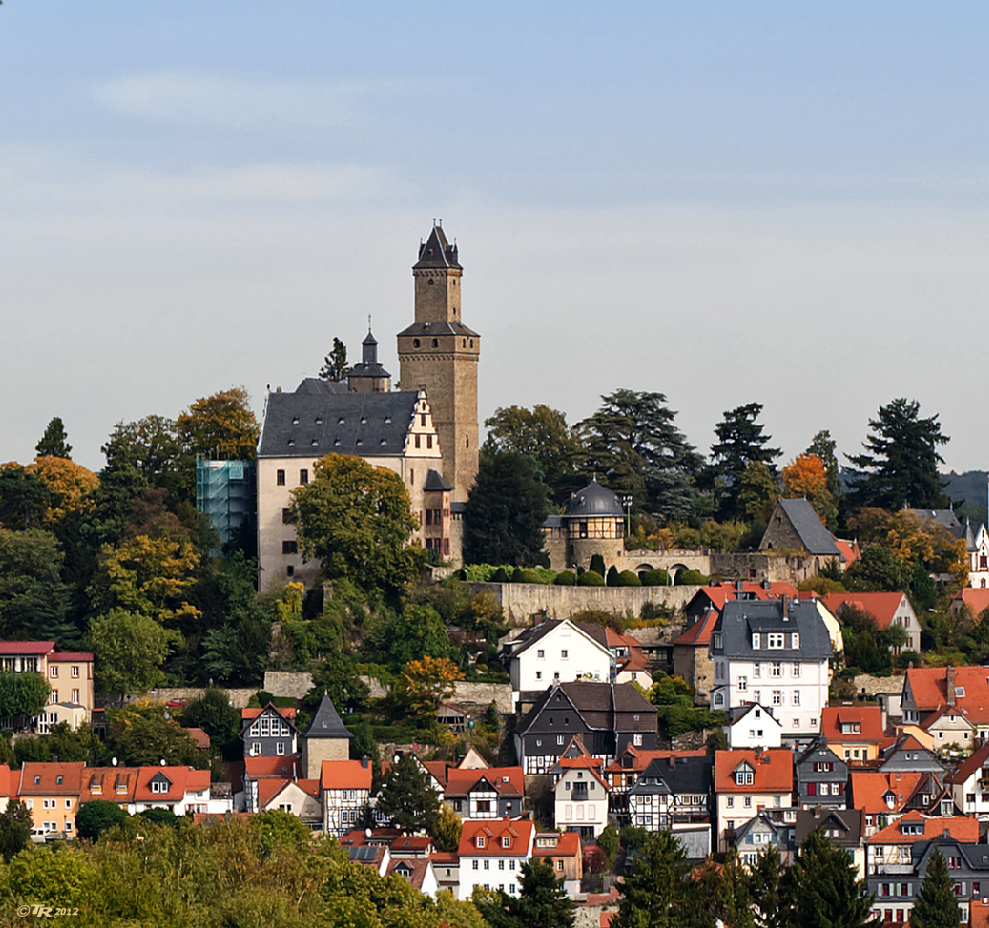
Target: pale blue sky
(725, 202)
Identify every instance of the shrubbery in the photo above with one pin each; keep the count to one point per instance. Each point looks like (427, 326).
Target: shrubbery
(628, 578)
(590, 578)
(691, 578)
(565, 578)
(654, 578)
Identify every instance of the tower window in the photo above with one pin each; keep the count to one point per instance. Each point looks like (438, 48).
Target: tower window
(436, 343)
(422, 420)
(416, 343)
(429, 441)
(418, 440)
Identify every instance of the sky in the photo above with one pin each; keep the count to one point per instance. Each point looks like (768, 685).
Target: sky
(722, 202)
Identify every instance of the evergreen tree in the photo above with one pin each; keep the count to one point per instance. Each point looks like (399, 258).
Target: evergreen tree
(656, 893)
(15, 829)
(899, 466)
(633, 446)
(937, 905)
(825, 447)
(769, 889)
(506, 508)
(53, 443)
(335, 363)
(407, 799)
(542, 902)
(827, 892)
(741, 442)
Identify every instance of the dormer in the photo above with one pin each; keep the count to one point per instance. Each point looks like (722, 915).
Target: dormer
(744, 774)
(480, 840)
(506, 842)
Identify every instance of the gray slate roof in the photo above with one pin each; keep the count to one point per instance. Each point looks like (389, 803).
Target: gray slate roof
(602, 706)
(808, 526)
(436, 251)
(326, 722)
(314, 421)
(593, 500)
(676, 776)
(944, 517)
(740, 618)
(435, 481)
(438, 328)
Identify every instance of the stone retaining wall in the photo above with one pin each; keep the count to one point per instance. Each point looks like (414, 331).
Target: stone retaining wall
(281, 683)
(238, 698)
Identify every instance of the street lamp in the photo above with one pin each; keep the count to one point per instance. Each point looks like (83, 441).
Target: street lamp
(627, 504)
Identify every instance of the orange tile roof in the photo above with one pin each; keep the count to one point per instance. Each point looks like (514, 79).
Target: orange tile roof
(345, 774)
(881, 606)
(699, 634)
(975, 600)
(868, 718)
(199, 737)
(271, 787)
(505, 781)
(519, 832)
(849, 551)
(8, 781)
(978, 913)
(642, 759)
(869, 790)
(437, 769)
(929, 688)
(64, 657)
(178, 783)
(285, 766)
(567, 845)
(773, 771)
(49, 778)
(116, 784)
(959, 827)
(252, 712)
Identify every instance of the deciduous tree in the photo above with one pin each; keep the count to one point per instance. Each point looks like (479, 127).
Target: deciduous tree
(23, 695)
(807, 476)
(16, 822)
(98, 815)
(899, 465)
(220, 426)
(33, 598)
(70, 485)
(356, 519)
(129, 649)
(144, 733)
(424, 683)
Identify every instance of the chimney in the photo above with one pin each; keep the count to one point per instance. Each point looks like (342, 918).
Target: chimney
(364, 761)
(739, 587)
(785, 600)
(949, 684)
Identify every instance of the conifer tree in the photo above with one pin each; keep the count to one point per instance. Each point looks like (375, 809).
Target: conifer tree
(657, 891)
(936, 906)
(53, 443)
(827, 892)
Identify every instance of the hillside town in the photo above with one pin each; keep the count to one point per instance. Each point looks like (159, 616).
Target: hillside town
(451, 660)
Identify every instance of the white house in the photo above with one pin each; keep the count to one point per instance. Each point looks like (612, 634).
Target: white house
(775, 653)
(969, 783)
(752, 726)
(492, 853)
(977, 547)
(886, 610)
(555, 652)
(580, 796)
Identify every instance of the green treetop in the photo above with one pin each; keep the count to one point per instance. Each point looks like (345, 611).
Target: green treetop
(54, 443)
(937, 905)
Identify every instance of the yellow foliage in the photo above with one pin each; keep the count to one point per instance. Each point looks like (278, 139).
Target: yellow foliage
(71, 485)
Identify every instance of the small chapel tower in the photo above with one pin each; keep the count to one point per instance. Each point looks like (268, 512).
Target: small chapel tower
(439, 353)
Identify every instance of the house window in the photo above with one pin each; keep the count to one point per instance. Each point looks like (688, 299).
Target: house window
(506, 841)
(796, 668)
(743, 684)
(777, 669)
(280, 748)
(280, 478)
(796, 641)
(755, 641)
(637, 740)
(304, 476)
(290, 547)
(796, 697)
(286, 516)
(53, 671)
(777, 698)
(159, 786)
(75, 671)
(540, 654)
(774, 641)
(757, 670)
(559, 739)
(75, 696)
(564, 655)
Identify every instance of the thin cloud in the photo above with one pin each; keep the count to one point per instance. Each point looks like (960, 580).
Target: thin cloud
(241, 103)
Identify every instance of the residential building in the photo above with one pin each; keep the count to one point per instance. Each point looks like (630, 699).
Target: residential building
(624, 772)
(629, 662)
(775, 653)
(887, 610)
(884, 797)
(490, 793)
(822, 777)
(346, 790)
(268, 732)
(908, 755)
(301, 798)
(69, 674)
(969, 783)
(692, 656)
(715, 595)
(928, 691)
(51, 791)
(854, 732)
(774, 828)
(326, 738)
(746, 782)
(843, 827)
(674, 793)
(580, 793)
(417, 872)
(606, 717)
(565, 856)
(752, 726)
(795, 526)
(492, 853)
(180, 790)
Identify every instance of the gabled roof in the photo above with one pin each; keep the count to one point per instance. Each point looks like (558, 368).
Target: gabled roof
(505, 781)
(642, 759)
(601, 706)
(678, 775)
(739, 619)
(929, 687)
(414, 869)
(699, 634)
(271, 766)
(345, 774)
(326, 722)
(738, 713)
(311, 425)
(178, 780)
(815, 538)
(270, 788)
(248, 715)
(717, 594)
(114, 784)
(772, 771)
(26, 647)
(50, 778)
(881, 606)
(523, 642)
(843, 826)
(518, 832)
(972, 764)
(870, 789)
(65, 657)
(959, 827)
(946, 518)
(553, 844)
(869, 720)
(975, 600)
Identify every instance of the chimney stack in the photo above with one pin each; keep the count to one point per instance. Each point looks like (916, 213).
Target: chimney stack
(949, 684)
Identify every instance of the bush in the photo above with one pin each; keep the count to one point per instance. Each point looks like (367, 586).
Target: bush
(590, 578)
(530, 575)
(500, 576)
(691, 578)
(612, 578)
(628, 578)
(597, 564)
(565, 578)
(654, 578)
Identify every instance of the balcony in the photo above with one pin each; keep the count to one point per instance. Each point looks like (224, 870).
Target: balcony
(890, 869)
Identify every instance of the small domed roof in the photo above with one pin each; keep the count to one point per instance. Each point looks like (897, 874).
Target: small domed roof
(593, 500)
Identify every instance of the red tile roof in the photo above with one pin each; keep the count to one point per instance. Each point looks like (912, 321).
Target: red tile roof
(959, 827)
(438, 769)
(869, 790)
(773, 771)
(849, 551)
(868, 718)
(61, 657)
(719, 594)
(345, 774)
(48, 778)
(975, 600)
(567, 844)
(699, 634)
(115, 784)
(491, 834)
(285, 767)
(26, 647)
(252, 712)
(8, 781)
(929, 688)
(505, 781)
(178, 783)
(414, 869)
(199, 737)
(881, 606)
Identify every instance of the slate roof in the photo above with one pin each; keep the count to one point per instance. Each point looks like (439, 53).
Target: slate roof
(599, 705)
(946, 518)
(436, 251)
(326, 722)
(435, 481)
(740, 618)
(677, 775)
(534, 633)
(438, 328)
(593, 500)
(815, 538)
(312, 423)
(848, 822)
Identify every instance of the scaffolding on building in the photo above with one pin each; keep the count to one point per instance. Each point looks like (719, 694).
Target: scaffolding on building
(226, 492)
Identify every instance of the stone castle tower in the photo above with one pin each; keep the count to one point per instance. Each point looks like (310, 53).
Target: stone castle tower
(438, 352)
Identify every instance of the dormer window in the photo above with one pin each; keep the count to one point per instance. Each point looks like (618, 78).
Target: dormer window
(319, 420)
(744, 775)
(295, 420)
(755, 641)
(480, 840)
(716, 641)
(37, 779)
(159, 786)
(796, 641)
(774, 641)
(506, 842)
(59, 779)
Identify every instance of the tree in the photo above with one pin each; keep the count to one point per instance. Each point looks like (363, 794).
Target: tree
(807, 476)
(506, 508)
(447, 830)
(936, 906)
(338, 677)
(542, 901)
(397, 639)
(634, 447)
(220, 426)
(543, 435)
(823, 446)
(70, 486)
(54, 443)
(357, 520)
(96, 816)
(16, 823)
(826, 890)
(129, 649)
(423, 684)
(335, 363)
(757, 492)
(23, 695)
(33, 598)
(144, 733)
(407, 799)
(899, 466)
(24, 498)
(212, 713)
(656, 893)
(769, 888)
(740, 442)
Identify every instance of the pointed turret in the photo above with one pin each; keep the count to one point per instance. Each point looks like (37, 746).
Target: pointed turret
(326, 739)
(368, 376)
(326, 722)
(436, 251)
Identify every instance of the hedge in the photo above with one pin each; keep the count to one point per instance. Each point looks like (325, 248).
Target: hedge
(590, 578)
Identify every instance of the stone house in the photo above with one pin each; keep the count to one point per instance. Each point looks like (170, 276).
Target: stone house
(592, 523)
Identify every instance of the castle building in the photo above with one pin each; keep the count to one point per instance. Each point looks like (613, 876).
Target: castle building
(593, 523)
(425, 432)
